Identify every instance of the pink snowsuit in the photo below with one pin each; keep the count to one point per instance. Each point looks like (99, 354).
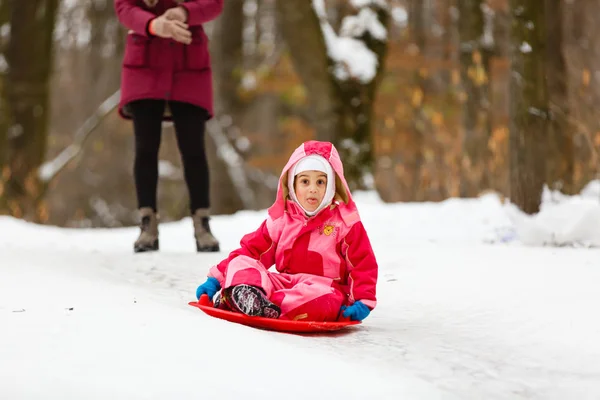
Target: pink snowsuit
(323, 262)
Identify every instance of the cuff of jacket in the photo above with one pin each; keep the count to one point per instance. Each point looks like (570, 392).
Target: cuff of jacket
(148, 31)
(215, 273)
(199, 14)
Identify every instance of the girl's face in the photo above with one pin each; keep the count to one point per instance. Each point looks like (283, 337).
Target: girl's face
(310, 188)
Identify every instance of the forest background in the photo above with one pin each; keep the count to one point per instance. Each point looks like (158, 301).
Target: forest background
(426, 99)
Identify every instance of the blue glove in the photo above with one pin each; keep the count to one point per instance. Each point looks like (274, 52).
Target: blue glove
(210, 288)
(357, 311)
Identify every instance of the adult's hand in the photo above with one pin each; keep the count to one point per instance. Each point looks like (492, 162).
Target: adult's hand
(177, 14)
(171, 29)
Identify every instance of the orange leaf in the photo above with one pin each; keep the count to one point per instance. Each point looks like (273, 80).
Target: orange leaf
(597, 139)
(43, 213)
(417, 97)
(585, 77)
(390, 123)
(437, 119)
(455, 77)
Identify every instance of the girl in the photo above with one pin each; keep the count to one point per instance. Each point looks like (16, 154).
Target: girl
(316, 240)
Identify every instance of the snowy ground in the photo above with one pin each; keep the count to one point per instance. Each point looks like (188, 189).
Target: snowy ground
(466, 311)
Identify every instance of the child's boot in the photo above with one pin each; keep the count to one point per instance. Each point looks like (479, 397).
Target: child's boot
(220, 302)
(148, 239)
(205, 241)
(251, 301)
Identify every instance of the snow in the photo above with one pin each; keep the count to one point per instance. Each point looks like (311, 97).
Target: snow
(562, 220)
(367, 3)
(487, 39)
(365, 21)
(73, 29)
(400, 16)
(537, 112)
(353, 59)
(525, 48)
(249, 81)
(3, 64)
(466, 310)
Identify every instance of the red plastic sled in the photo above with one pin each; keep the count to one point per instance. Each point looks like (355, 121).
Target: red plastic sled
(279, 325)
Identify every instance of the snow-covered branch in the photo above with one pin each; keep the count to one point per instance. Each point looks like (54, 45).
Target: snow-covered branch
(238, 170)
(251, 78)
(352, 57)
(50, 169)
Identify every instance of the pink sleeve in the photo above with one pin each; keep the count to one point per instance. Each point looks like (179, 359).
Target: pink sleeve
(362, 266)
(132, 16)
(257, 245)
(202, 11)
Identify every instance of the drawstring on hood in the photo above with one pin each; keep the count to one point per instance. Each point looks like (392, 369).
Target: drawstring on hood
(313, 162)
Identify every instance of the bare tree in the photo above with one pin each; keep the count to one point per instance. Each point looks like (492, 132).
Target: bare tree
(227, 60)
(529, 104)
(561, 151)
(4, 115)
(475, 46)
(29, 58)
(302, 32)
(341, 109)
(416, 134)
(88, 160)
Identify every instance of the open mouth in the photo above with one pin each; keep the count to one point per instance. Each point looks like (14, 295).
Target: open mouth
(312, 201)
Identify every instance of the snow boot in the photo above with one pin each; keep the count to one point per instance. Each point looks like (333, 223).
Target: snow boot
(205, 241)
(249, 300)
(148, 239)
(220, 303)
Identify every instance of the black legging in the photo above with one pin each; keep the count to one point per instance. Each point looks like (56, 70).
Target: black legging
(189, 121)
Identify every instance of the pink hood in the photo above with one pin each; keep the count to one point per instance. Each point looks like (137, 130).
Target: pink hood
(343, 198)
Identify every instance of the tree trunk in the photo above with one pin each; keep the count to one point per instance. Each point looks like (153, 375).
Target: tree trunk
(341, 110)
(302, 32)
(418, 126)
(529, 104)
(29, 58)
(357, 99)
(227, 61)
(561, 151)
(104, 70)
(4, 115)
(474, 72)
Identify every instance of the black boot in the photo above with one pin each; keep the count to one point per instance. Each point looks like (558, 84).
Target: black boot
(220, 303)
(250, 300)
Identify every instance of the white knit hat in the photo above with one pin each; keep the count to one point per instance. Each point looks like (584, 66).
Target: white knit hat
(313, 162)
